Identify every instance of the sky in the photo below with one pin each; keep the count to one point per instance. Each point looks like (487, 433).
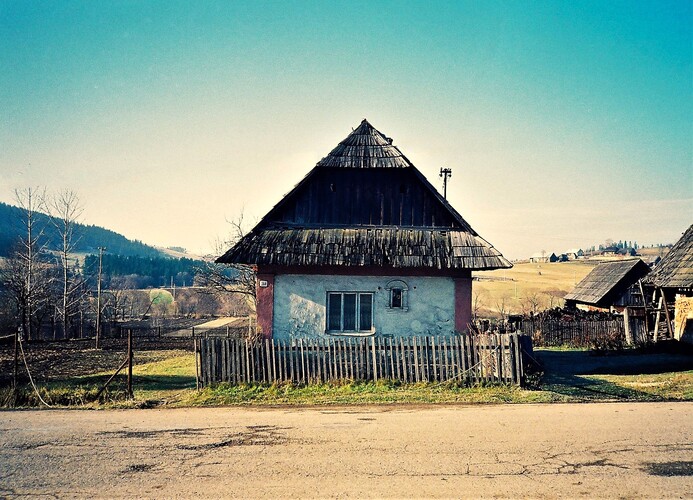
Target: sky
(564, 123)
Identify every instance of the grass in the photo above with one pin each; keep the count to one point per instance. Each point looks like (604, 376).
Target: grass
(170, 380)
(381, 392)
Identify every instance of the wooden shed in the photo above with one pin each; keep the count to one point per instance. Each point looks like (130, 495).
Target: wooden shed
(364, 245)
(672, 283)
(611, 285)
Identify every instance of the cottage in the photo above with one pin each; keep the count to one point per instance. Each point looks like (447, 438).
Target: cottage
(672, 280)
(364, 245)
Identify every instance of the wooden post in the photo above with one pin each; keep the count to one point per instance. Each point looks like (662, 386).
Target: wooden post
(644, 303)
(375, 364)
(670, 324)
(626, 327)
(130, 394)
(657, 317)
(16, 361)
(197, 365)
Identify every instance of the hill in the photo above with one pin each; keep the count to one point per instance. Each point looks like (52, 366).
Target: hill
(89, 238)
(511, 289)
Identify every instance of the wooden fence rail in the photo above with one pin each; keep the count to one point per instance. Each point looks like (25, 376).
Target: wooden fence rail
(572, 333)
(469, 359)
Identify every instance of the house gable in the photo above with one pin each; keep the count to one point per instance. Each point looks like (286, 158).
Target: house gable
(365, 204)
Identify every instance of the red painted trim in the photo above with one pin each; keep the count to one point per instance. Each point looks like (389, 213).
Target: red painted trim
(265, 304)
(463, 304)
(365, 271)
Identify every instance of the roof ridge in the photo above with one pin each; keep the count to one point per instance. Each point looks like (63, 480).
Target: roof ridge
(365, 147)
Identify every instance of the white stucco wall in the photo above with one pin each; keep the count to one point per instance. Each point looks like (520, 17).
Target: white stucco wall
(300, 302)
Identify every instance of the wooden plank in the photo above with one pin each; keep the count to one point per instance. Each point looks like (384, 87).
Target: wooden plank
(292, 364)
(435, 364)
(303, 361)
(416, 360)
(246, 361)
(375, 364)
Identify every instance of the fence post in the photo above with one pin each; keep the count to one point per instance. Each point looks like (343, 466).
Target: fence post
(375, 365)
(130, 394)
(197, 365)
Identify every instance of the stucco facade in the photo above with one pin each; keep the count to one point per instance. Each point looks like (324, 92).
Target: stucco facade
(300, 304)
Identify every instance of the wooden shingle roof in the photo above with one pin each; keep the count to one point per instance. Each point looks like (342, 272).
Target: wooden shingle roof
(365, 204)
(396, 247)
(365, 147)
(607, 281)
(675, 270)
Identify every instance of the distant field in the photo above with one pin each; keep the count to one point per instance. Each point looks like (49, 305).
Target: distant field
(548, 282)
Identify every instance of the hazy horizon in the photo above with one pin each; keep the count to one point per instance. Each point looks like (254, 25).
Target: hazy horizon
(564, 124)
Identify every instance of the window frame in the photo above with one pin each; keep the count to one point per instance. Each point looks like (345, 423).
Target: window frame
(357, 332)
(404, 295)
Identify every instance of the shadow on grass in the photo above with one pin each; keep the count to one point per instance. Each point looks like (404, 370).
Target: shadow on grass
(573, 373)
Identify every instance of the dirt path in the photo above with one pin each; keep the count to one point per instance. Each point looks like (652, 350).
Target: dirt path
(591, 450)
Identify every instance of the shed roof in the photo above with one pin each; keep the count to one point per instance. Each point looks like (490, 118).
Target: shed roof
(675, 270)
(607, 281)
(365, 204)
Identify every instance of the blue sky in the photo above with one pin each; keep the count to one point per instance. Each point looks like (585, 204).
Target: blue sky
(565, 123)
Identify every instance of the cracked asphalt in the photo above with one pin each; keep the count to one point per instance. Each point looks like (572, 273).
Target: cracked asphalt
(616, 450)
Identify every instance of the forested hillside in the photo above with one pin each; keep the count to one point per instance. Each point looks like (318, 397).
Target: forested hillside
(88, 238)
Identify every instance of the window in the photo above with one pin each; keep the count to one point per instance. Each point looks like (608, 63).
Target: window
(396, 298)
(398, 292)
(349, 312)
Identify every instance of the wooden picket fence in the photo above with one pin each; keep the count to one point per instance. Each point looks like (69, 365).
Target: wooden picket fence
(486, 358)
(582, 333)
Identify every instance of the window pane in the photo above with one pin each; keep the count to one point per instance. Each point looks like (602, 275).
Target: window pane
(349, 311)
(366, 312)
(396, 297)
(334, 311)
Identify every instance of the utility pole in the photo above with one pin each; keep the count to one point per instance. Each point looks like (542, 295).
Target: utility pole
(98, 299)
(445, 173)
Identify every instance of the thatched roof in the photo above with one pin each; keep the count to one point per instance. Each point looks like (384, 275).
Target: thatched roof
(607, 282)
(675, 270)
(365, 204)
(365, 147)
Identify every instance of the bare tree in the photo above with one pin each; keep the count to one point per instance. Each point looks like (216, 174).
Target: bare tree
(554, 297)
(478, 302)
(66, 210)
(531, 303)
(220, 279)
(503, 306)
(25, 273)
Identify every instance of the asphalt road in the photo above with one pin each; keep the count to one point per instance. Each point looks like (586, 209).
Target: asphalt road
(592, 450)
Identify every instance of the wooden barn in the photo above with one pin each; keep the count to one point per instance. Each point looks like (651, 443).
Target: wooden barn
(672, 284)
(616, 287)
(610, 286)
(364, 245)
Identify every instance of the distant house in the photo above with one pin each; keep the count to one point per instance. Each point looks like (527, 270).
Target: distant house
(574, 254)
(610, 251)
(672, 280)
(364, 245)
(543, 257)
